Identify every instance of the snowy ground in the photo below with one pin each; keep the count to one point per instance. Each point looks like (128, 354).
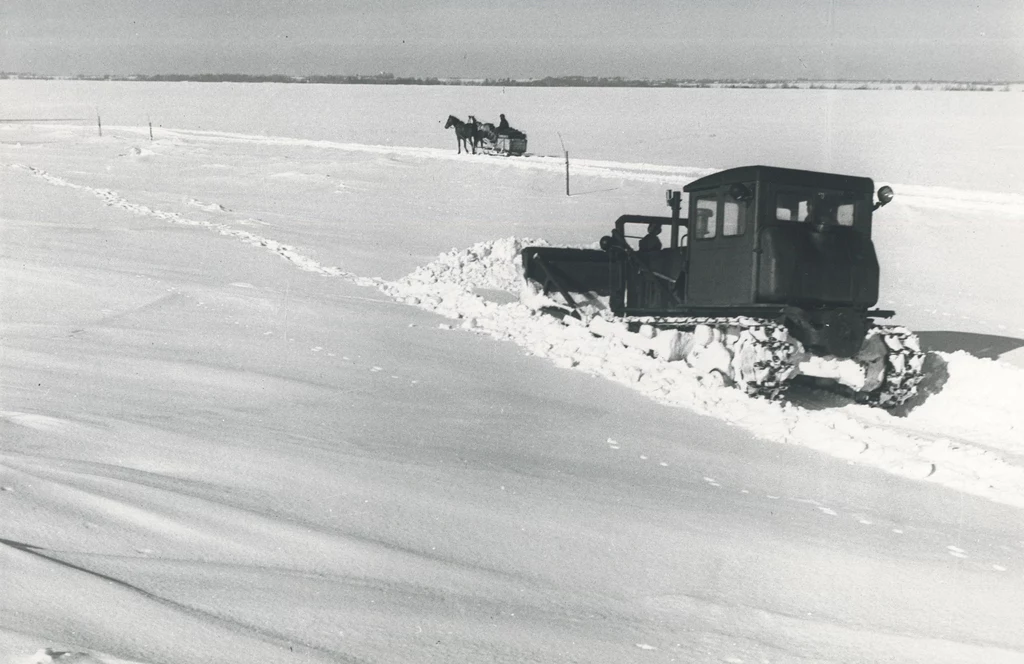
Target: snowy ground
(267, 397)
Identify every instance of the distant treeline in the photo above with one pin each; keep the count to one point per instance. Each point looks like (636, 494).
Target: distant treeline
(547, 81)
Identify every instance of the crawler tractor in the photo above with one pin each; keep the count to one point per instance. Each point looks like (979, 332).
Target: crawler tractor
(771, 276)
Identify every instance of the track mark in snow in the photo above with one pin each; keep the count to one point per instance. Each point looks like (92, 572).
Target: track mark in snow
(285, 251)
(209, 207)
(138, 152)
(999, 568)
(956, 551)
(399, 156)
(826, 510)
(44, 423)
(55, 656)
(209, 619)
(32, 421)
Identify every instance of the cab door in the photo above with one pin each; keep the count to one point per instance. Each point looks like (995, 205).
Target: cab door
(721, 249)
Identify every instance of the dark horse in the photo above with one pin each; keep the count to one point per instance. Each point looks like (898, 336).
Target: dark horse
(483, 131)
(465, 133)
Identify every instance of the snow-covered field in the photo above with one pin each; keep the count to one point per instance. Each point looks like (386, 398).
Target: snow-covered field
(268, 395)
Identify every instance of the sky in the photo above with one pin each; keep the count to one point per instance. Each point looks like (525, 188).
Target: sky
(823, 39)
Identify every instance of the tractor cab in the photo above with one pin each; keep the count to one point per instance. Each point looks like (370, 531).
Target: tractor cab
(755, 239)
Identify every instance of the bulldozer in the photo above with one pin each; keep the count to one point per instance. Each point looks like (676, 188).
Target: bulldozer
(770, 278)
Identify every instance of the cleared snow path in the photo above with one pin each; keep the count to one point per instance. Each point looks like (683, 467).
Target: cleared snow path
(623, 171)
(966, 433)
(927, 197)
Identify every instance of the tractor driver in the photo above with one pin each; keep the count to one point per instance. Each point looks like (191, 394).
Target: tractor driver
(650, 242)
(820, 212)
(812, 211)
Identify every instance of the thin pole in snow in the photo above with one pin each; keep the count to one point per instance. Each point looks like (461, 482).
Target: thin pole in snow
(567, 173)
(150, 121)
(566, 163)
(99, 125)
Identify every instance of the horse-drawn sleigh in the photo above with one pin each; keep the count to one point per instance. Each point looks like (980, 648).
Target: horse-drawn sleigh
(503, 140)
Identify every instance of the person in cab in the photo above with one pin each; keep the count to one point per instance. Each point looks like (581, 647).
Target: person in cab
(651, 242)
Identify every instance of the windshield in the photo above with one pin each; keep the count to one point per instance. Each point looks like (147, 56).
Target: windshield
(645, 236)
(836, 208)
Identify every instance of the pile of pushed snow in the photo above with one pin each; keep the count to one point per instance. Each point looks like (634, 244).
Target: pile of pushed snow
(982, 459)
(487, 265)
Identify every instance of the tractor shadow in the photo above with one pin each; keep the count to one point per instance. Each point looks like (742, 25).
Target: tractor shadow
(988, 346)
(936, 372)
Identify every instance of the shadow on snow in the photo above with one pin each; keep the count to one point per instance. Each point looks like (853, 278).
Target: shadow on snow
(987, 346)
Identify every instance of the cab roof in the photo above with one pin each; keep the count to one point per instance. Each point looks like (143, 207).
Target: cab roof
(785, 176)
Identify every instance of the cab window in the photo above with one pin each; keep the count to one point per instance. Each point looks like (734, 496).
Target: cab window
(844, 214)
(706, 223)
(734, 218)
(791, 206)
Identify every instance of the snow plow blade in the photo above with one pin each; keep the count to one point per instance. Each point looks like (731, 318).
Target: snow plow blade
(575, 274)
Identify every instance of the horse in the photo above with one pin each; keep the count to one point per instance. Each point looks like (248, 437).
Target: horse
(465, 134)
(483, 131)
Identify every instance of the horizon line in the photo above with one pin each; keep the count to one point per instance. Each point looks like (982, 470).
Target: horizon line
(567, 80)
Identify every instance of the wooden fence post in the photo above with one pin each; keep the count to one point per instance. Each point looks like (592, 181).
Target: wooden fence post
(566, 162)
(567, 173)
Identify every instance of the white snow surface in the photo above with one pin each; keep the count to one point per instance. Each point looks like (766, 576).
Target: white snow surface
(274, 398)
